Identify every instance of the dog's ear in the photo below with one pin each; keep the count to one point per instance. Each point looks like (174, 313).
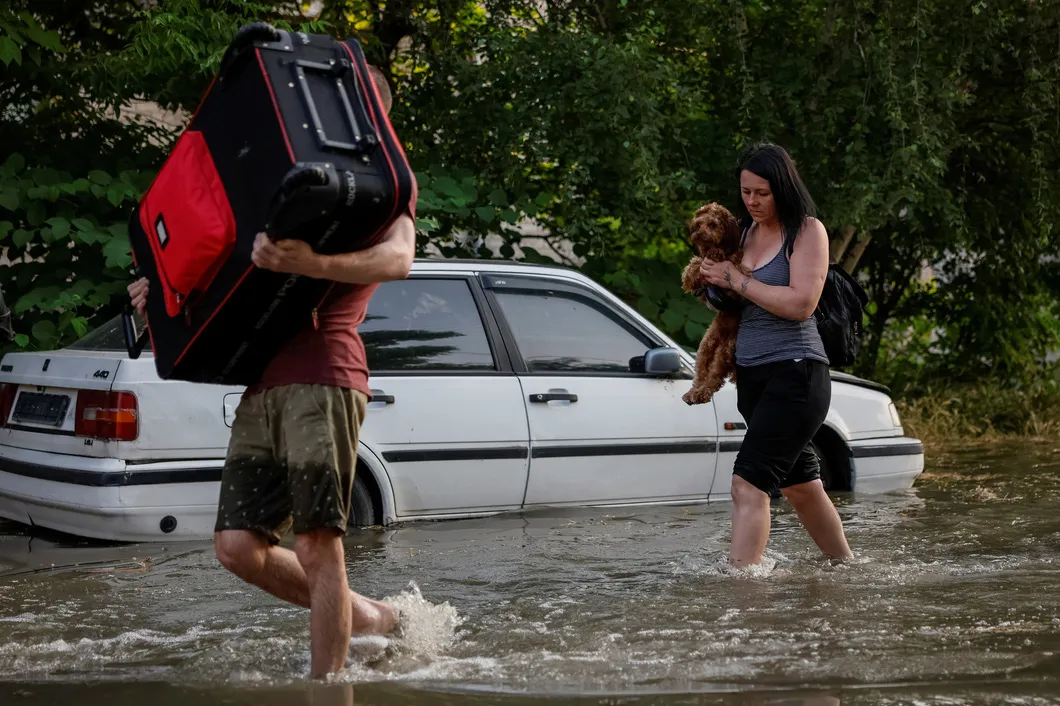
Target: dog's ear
(732, 231)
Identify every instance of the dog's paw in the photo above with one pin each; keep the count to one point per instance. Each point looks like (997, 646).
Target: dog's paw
(693, 397)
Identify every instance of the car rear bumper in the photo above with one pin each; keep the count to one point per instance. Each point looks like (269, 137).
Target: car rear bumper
(885, 464)
(109, 499)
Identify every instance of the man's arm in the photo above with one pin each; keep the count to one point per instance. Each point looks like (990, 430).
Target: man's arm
(390, 259)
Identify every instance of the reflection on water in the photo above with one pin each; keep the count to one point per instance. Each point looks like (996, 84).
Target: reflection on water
(952, 598)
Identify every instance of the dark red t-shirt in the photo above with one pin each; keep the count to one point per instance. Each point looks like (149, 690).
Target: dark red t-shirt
(330, 352)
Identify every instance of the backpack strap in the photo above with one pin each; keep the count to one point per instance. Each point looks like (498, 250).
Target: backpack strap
(743, 235)
(789, 243)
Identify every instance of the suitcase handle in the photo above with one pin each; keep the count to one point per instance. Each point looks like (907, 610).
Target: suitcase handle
(364, 138)
(243, 41)
(133, 344)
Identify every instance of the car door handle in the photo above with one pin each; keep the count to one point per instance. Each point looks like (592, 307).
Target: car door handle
(380, 396)
(543, 397)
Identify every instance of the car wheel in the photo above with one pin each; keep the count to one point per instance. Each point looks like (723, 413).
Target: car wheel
(362, 510)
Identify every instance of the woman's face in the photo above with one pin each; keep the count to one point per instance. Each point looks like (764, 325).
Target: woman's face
(757, 197)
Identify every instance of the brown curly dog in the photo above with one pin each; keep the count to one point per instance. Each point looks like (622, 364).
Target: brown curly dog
(715, 235)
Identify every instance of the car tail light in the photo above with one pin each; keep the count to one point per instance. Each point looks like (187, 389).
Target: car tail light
(8, 390)
(107, 415)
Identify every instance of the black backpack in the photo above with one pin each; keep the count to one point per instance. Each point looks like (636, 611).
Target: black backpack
(839, 316)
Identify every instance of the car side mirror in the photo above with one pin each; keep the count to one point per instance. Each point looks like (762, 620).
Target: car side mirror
(661, 361)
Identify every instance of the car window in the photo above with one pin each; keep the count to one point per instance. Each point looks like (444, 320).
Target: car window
(425, 324)
(556, 331)
(108, 336)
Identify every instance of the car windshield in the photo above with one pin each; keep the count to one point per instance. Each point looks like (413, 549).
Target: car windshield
(106, 337)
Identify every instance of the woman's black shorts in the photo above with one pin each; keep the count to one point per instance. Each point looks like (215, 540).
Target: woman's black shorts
(783, 404)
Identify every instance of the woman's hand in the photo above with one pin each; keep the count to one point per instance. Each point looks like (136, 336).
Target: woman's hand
(721, 274)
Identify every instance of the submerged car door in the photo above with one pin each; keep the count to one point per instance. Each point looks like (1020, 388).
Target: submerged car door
(447, 418)
(599, 430)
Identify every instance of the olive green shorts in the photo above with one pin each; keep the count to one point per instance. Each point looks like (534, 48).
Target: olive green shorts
(291, 460)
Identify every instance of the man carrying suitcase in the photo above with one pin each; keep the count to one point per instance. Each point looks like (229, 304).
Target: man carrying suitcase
(293, 452)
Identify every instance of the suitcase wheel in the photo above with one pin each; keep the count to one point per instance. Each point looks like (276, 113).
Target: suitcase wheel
(301, 177)
(307, 192)
(244, 40)
(255, 32)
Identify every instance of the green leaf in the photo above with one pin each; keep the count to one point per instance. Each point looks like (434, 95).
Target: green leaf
(60, 227)
(119, 230)
(21, 339)
(509, 216)
(15, 163)
(694, 331)
(673, 320)
(486, 213)
(116, 252)
(46, 38)
(427, 225)
(5, 228)
(115, 197)
(83, 224)
(99, 177)
(21, 237)
(47, 177)
(701, 315)
(44, 331)
(9, 200)
(497, 197)
(80, 325)
(9, 51)
(36, 214)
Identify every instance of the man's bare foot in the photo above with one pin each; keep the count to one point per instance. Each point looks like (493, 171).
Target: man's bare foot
(372, 617)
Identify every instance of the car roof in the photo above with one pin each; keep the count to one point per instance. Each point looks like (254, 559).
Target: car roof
(485, 265)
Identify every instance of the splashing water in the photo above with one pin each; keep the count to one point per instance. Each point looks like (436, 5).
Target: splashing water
(425, 631)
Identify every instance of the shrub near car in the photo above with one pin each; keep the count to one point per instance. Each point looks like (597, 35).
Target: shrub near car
(497, 387)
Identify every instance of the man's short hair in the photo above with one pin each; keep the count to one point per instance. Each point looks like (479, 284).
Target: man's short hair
(382, 86)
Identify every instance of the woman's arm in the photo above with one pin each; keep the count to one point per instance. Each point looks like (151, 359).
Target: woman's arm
(808, 267)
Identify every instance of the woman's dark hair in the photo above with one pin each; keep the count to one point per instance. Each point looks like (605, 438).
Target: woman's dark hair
(793, 201)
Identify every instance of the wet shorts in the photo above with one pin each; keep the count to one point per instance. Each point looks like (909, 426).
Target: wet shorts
(291, 460)
(784, 405)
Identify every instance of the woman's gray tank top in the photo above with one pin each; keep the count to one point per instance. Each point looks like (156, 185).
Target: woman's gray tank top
(767, 338)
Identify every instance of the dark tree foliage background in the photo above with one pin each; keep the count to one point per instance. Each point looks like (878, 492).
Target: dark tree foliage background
(588, 131)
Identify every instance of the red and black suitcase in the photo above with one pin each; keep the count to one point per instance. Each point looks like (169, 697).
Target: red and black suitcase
(292, 139)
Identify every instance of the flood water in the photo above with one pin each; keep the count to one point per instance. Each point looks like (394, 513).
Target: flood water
(954, 598)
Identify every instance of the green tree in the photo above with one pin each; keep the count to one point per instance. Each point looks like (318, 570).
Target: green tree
(926, 131)
(74, 156)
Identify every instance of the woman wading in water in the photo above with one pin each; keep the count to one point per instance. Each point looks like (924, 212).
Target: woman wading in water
(783, 385)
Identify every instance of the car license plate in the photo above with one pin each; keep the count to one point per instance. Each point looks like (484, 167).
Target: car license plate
(41, 408)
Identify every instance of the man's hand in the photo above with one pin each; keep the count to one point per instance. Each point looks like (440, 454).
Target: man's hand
(138, 294)
(294, 257)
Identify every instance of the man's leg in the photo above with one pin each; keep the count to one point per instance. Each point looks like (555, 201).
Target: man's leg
(321, 554)
(319, 447)
(254, 511)
(251, 557)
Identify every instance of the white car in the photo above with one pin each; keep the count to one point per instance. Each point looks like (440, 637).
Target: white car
(499, 387)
